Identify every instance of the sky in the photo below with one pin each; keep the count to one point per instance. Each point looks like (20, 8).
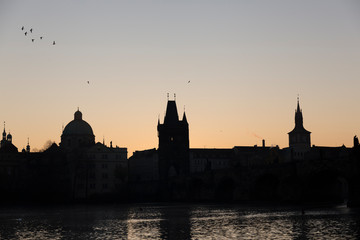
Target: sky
(247, 62)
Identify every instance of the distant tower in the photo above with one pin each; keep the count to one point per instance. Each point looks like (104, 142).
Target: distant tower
(4, 133)
(299, 137)
(28, 146)
(356, 141)
(173, 143)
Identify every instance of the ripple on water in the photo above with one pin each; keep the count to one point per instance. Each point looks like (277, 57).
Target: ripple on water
(178, 222)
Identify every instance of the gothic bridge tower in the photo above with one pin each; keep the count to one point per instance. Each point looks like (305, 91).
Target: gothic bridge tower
(173, 144)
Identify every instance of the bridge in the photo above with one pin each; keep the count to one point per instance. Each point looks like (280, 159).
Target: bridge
(326, 175)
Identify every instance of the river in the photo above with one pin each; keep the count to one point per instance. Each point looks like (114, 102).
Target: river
(178, 221)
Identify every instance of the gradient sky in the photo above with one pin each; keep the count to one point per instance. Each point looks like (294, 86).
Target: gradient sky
(246, 62)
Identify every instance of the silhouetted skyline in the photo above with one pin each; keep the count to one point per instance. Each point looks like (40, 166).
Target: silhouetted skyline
(236, 66)
(81, 169)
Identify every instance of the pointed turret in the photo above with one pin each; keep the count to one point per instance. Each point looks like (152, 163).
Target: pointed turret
(184, 119)
(171, 115)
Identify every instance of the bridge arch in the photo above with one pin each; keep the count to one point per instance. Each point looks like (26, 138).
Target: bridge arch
(327, 185)
(225, 189)
(266, 187)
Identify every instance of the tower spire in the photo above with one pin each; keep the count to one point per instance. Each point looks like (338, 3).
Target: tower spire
(4, 132)
(28, 146)
(298, 104)
(299, 136)
(298, 115)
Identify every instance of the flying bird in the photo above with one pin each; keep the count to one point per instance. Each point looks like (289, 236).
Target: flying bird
(41, 38)
(88, 82)
(25, 33)
(22, 28)
(188, 81)
(32, 40)
(53, 42)
(31, 30)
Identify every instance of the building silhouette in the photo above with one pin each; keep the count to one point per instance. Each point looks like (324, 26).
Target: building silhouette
(173, 144)
(297, 173)
(97, 169)
(79, 168)
(77, 133)
(299, 137)
(6, 144)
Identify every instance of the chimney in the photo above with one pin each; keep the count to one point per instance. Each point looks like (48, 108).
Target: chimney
(263, 142)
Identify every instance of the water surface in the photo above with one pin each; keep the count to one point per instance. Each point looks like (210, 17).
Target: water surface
(152, 221)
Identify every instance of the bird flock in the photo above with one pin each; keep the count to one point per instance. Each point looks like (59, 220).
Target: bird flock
(29, 33)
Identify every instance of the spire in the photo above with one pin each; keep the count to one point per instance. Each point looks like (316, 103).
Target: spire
(4, 132)
(298, 105)
(28, 146)
(298, 115)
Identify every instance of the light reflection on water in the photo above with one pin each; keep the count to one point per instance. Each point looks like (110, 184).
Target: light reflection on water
(151, 221)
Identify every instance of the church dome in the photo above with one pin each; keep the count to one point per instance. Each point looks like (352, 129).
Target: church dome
(77, 133)
(78, 126)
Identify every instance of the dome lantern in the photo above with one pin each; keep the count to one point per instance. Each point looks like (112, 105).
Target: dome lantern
(78, 115)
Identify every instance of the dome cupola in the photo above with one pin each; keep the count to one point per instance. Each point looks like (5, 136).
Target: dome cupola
(9, 137)
(78, 115)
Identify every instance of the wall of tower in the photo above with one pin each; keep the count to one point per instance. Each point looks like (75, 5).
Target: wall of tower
(173, 150)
